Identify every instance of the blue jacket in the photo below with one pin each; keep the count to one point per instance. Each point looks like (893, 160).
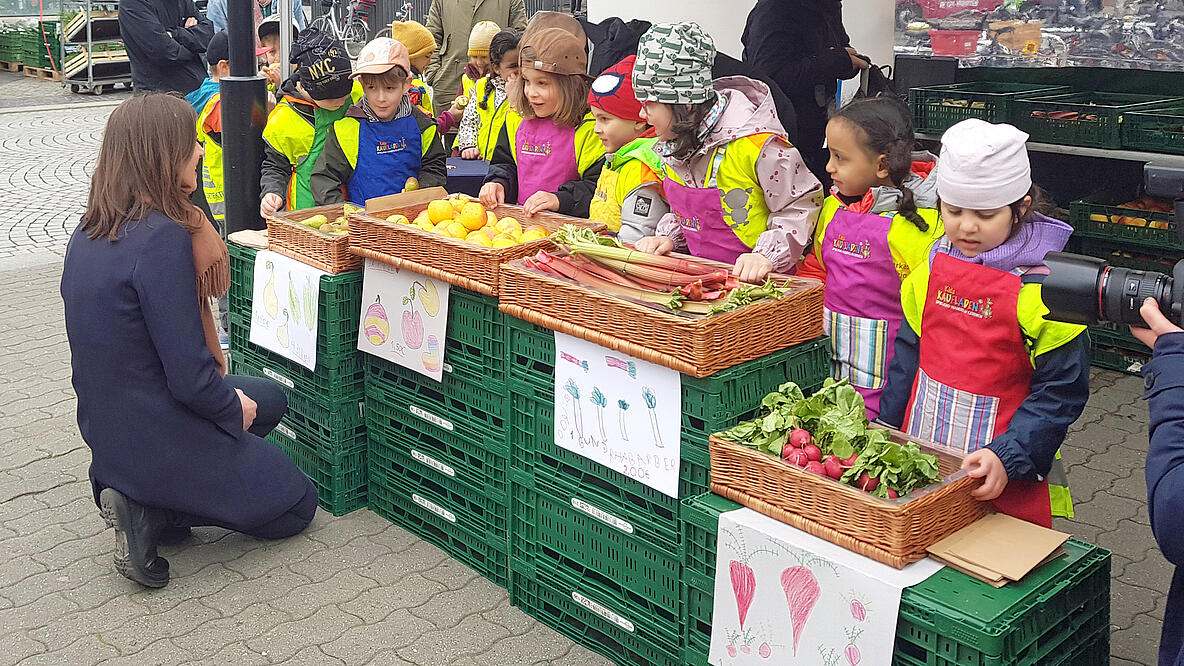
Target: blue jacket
(198, 98)
(1163, 378)
(216, 12)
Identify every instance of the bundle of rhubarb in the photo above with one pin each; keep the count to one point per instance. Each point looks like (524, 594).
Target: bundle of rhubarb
(682, 285)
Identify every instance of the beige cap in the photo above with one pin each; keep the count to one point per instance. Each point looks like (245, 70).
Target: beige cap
(481, 36)
(553, 50)
(380, 55)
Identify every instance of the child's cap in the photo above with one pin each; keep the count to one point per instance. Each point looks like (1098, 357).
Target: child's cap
(219, 49)
(271, 26)
(481, 36)
(553, 50)
(381, 54)
(323, 66)
(415, 37)
(546, 19)
(674, 65)
(983, 166)
(613, 93)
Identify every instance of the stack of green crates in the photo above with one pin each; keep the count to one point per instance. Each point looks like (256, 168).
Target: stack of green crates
(1152, 244)
(11, 43)
(594, 553)
(324, 429)
(438, 450)
(33, 45)
(1057, 615)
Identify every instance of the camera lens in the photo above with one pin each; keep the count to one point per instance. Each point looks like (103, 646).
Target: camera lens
(1086, 290)
(1123, 291)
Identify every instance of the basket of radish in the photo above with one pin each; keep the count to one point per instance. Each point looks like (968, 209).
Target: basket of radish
(682, 312)
(817, 463)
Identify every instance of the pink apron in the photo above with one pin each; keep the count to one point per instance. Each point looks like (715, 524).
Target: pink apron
(862, 303)
(546, 157)
(700, 211)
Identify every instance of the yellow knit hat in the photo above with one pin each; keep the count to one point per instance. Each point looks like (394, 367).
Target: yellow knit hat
(481, 36)
(415, 37)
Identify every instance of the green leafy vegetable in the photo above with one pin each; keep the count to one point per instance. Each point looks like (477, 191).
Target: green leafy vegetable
(901, 467)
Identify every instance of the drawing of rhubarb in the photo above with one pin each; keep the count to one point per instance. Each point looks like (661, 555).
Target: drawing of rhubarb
(651, 401)
(801, 593)
(597, 398)
(577, 410)
(622, 407)
(743, 586)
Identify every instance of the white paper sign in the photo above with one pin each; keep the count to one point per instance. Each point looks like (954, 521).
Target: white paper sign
(404, 317)
(783, 596)
(619, 411)
(284, 307)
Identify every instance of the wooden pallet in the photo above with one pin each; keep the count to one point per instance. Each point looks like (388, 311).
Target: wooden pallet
(43, 74)
(10, 66)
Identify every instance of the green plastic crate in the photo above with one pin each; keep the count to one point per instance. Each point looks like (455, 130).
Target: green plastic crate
(1128, 256)
(472, 412)
(341, 486)
(592, 616)
(1093, 219)
(475, 344)
(1106, 109)
(324, 386)
(440, 455)
(562, 531)
(436, 520)
(1114, 352)
(937, 108)
(700, 525)
(1159, 131)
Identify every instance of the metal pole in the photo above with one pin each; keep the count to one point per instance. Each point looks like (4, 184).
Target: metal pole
(244, 113)
(287, 20)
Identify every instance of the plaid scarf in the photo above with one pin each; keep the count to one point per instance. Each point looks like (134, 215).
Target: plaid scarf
(403, 110)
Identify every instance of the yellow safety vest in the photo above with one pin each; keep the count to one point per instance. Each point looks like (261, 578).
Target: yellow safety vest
(425, 101)
(290, 133)
(347, 130)
(589, 147)
(212, 180)
(493, 118)
(633, 165)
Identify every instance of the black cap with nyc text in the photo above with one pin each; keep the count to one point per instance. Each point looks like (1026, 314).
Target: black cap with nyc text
(323, 65)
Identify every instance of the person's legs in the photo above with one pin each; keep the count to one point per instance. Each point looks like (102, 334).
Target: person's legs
(268, 395)
(289, 523)
(137, 533)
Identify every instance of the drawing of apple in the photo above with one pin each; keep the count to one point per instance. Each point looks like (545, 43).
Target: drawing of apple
(412, 329)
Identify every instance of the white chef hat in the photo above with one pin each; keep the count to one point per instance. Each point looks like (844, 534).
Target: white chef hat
(983, 166)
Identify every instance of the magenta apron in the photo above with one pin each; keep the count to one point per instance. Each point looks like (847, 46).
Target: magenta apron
(546, 157)
(862, 309)
(701, 214)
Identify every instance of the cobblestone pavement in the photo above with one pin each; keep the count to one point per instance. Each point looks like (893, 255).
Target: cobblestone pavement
(353, 589)
(18, 90)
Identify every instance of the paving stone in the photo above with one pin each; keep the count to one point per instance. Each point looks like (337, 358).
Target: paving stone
(39, 613)
(207, 639)
(1152, 572)
(443, 647)
(17, 645)
(419, 557)
(162, 652)
(86, 650)
(270, 586)
(579, 656)
(286, 639)
(1128, 601)
(1139, 642)
(181, 589)
(366, 643)
(263, 556)
(453, 574)
(343, 587)
(449, 608)
(538, 643)
(138, 632)
(235, 653)
(379, 601)
(320, 565)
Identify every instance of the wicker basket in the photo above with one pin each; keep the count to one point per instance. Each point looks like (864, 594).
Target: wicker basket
(452, 260)
(286, 235)
(694, 345)
(895, 532)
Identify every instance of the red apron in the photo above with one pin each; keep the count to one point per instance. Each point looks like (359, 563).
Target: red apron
(546, 155)
(700, 212)
(974, 370)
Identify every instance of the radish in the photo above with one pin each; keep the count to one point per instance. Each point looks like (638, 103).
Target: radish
(849, 461)
(852, 653)
(866, 483)
(745, 649)
(797, 457)
(731, 650)
(799, 438)
(892, 494)
(858, 611)
(812, 452)
(833, 467)
(787, 450)
(815, 467)
(765, 651)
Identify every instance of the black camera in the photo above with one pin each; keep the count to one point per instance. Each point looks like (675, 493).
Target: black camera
(1087, 290)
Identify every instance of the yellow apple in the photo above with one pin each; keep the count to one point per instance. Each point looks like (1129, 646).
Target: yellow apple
(398, 219)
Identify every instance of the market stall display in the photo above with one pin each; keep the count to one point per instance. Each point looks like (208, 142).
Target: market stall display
(304, 236)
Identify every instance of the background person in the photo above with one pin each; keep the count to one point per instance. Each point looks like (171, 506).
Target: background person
(166, 41)
(451, 22)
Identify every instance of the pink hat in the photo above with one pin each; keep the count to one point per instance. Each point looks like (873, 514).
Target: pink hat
(380, 55)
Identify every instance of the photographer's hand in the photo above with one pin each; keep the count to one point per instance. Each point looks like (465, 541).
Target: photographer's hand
(1158, 324)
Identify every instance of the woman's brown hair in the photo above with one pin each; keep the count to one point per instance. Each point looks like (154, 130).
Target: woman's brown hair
(147, 145)
(573, 98)
(685, 124)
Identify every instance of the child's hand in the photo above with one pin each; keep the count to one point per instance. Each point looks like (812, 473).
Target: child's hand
(655, 245)
(984, 464)
(270, 203)
(539, 202)
(752, 267)
(1156, 322)
(470, 154)
(492, 195)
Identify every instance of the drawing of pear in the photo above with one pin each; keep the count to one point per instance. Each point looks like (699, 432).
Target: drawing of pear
(270, 301)
(281, 333)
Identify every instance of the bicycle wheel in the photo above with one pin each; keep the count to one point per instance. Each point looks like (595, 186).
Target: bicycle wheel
(323, 23)
(354, 36)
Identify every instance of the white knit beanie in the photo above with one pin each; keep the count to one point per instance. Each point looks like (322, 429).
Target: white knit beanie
(983, 166)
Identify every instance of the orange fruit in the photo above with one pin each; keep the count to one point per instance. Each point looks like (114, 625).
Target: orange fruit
(472, 216)
(440, 211)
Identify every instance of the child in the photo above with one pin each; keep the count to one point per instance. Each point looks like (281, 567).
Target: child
(316, 96)
(420, 47)
(383, 141)
(486, 112)
(739, 193)
(209, 127)
(876, 226)
(269, 50)
(978, 367)
(548, 158)
(628, 197)
(480, 39)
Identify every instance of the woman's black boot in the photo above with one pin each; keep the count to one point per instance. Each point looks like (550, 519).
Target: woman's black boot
(137, 532)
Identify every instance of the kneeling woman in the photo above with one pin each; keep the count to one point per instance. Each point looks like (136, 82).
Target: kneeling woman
(174, 443)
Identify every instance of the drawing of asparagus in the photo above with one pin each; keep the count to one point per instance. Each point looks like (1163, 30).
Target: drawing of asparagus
(651, 401)
(577, 410)
(622, 406)
(597, 398)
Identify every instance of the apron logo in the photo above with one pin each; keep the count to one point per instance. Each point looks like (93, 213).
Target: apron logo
(542, 149)
(642, 206)
(691, 223)
(947, 297)
(385, 147)
(735, 203)
(860, 250)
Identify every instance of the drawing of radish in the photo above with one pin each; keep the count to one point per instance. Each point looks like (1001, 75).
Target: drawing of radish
(622, 407)
(597, 398)
(577, 411)
(743, 586)
(764, 650)
(801, 593)
(858, 610)
(651, 401)
(732, 651)
(853, 655)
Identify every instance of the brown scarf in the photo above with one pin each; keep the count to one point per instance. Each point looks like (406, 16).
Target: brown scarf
(212, 262)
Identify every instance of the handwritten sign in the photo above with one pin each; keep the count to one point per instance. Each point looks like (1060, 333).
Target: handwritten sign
(619, 411)
(404, 317)
(284, 307)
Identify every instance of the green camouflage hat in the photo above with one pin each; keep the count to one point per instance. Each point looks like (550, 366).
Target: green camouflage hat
(674, 65)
